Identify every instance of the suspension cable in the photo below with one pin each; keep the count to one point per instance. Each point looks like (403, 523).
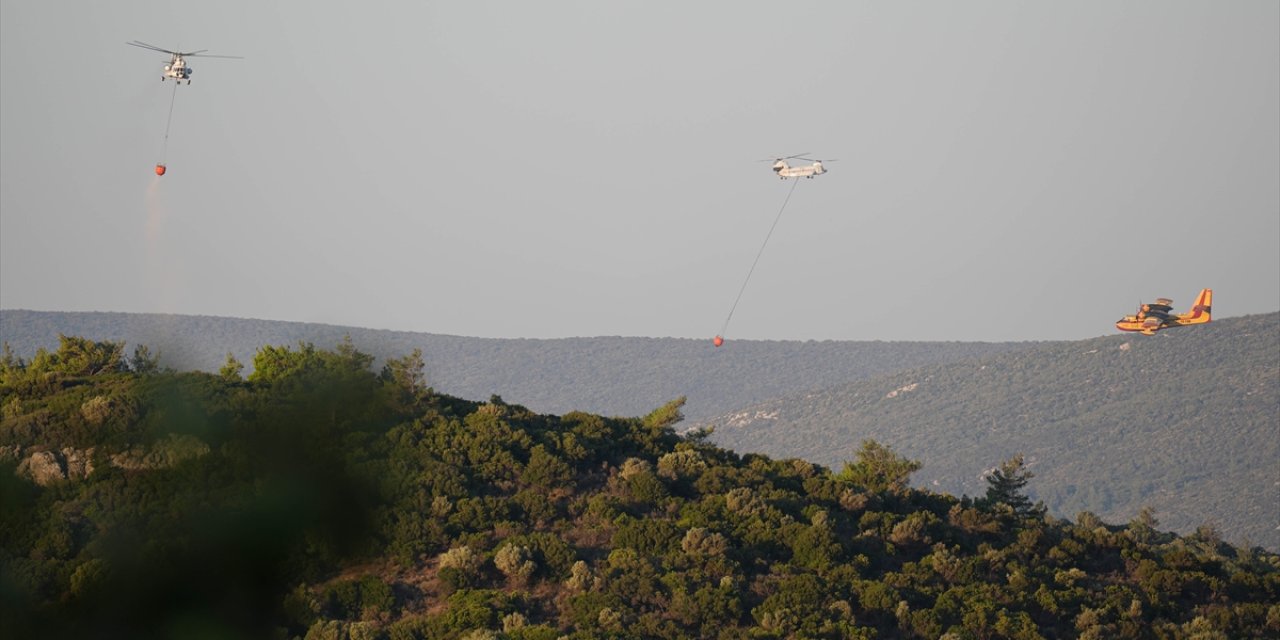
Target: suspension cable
(757, 260)
(164, 149)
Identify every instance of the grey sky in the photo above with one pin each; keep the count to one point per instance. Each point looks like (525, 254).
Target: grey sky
(1007, 170)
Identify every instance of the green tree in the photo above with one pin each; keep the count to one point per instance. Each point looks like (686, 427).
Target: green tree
(407, 373)
(231, 368)
(546, 470)
(516, 561)
(78, 356)
(272, 364)
(665, 416)
(353, 358)
(8, 360)
(276, 363)
(1005, 484)
(11, 366)
(143, 361)
(878, 468)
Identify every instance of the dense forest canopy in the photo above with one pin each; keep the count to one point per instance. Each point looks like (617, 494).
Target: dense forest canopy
(321, 497)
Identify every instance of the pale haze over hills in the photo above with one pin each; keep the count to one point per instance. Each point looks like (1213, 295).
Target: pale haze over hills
(607, 375)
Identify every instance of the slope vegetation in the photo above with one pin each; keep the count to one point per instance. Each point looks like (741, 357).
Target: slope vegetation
(317, 499)
(1184, 422)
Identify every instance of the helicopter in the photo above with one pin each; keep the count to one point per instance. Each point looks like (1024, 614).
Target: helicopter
(785, 170)
(178, 69)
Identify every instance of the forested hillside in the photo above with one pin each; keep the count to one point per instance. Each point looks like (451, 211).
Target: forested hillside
(1186, 422)
(318, 499)
(606, 375)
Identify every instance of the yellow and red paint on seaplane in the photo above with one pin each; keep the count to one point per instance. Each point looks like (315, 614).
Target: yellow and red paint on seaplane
(1154, 316)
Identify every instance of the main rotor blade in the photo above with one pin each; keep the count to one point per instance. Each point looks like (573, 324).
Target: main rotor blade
(137, 43)
(775, 159)
(209, 55)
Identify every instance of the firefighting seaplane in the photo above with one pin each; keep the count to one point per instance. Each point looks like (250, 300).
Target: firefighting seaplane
(785, 170)
(178, 69)
(1155, 316)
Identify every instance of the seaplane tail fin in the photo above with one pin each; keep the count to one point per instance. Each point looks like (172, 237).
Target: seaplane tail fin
(1201, 311)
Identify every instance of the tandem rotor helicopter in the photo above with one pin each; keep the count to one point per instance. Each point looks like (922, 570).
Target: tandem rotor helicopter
(178, 69)
(785, 170)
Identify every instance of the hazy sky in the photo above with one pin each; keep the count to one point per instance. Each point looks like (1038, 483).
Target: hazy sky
(1007, 170)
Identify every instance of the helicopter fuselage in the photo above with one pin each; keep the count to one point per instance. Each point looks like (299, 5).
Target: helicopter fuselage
(178, 70)
(785, 170)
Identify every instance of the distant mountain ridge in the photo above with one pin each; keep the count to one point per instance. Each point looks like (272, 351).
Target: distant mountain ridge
(606, 375)
(1186, 422)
